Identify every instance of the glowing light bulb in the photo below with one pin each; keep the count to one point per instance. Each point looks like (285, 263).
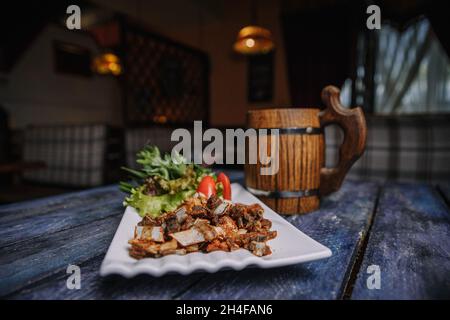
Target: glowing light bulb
(250, 43)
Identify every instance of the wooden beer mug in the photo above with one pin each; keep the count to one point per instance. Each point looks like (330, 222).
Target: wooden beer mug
(301, 176)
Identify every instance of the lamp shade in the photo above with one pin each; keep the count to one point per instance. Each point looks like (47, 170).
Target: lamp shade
(107, 63)
(254, 40)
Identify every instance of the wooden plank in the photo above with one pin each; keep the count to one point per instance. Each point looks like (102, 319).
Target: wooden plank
(340, 224)
(112, 287)
(409, 241)
(20, 210)
(35, 259)
(61, 218)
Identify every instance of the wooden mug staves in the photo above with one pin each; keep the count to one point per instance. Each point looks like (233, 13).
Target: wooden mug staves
(302, 177)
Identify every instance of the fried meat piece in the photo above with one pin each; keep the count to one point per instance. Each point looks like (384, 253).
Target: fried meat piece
(148, 221)
(169, 245)
(181, 214)
(149, 233)
(144, 247)
(228, 225)
(217, 245)
(213, 202)
(188, 223)
(209, 232)
(266, 224)
(262, 236)
(259, 248)
(171, 224)
(194, 201)
(203, 225)
(192, 248)
(222, 209)
(188, 237)
(199, 212)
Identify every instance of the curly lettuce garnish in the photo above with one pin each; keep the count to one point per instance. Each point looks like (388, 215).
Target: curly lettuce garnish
(161, 183)
(154, 205)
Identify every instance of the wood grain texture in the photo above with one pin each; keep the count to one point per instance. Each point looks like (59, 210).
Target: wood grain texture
(340, 224)
(409, 241)
(353, 123)
(20, 210)
(93, 286)
(35, 259)
(41, 236)
(300, 158)
(61, 217)
(283, 118)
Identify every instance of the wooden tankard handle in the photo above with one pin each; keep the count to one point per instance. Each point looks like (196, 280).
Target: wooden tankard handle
(353, 123)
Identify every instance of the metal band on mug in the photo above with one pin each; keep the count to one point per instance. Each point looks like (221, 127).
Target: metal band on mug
(284, 194)
(307, 130)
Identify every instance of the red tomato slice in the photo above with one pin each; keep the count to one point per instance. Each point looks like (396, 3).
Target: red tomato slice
(207, 186)
(222, 178)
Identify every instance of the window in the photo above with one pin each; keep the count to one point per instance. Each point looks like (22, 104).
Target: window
(412, 72)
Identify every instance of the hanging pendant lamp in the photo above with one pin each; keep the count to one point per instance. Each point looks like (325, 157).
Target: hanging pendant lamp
(254, 39)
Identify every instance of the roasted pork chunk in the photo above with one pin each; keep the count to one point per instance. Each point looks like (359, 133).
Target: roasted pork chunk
(203, 225)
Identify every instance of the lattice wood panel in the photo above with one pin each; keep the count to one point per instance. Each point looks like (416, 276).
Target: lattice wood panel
(164, 82)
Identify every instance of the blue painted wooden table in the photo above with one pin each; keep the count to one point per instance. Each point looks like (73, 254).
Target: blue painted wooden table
(389, 242)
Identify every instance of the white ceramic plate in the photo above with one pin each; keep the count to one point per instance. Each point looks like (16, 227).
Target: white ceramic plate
(291, 246)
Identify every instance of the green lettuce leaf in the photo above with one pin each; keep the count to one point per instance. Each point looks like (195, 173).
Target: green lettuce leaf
(155, 205)
(161, 182)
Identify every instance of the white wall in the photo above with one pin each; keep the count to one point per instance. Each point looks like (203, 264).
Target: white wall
(33, 93)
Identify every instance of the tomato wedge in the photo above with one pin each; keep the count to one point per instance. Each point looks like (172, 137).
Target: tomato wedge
(222, 178)
(207, 186)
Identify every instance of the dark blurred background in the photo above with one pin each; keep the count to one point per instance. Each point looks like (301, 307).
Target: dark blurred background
(75, 105)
